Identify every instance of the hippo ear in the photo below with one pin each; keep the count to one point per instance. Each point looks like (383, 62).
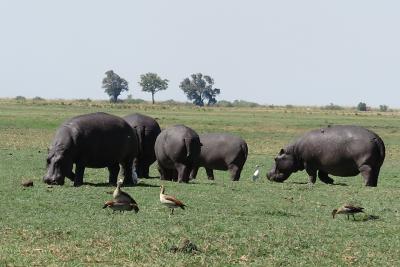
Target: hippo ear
(282, 152)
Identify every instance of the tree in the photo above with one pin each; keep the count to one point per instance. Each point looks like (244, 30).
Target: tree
(383, 108)
(114, 85)
(200, 88)
(362, 106)
(152, 83)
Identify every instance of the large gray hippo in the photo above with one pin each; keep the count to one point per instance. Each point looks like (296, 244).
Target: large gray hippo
(177, 148)
(221, 151)
(337, 150)
(96, 140)
(147, 129)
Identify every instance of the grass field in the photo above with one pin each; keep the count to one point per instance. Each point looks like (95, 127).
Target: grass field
(232, 223)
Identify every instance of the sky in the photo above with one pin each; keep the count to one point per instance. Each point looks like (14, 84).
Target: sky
(270, 52)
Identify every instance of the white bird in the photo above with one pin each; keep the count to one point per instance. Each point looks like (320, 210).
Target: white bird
(121, 196)
(170, 201)
(256, 173)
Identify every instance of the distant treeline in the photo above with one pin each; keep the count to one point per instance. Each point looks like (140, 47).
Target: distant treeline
(222, 103)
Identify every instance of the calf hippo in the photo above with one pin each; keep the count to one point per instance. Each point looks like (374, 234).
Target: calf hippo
(147, 129)
(96, 140)
(177, 148)
(337, 150)
(221, 151)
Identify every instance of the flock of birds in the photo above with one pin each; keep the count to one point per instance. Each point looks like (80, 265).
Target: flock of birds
(122, 201)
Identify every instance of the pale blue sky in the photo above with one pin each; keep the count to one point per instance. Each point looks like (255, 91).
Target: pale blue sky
(271, 52)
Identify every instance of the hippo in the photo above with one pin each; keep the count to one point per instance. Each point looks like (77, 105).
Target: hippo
(147, 129)
(341, 150)
(221, 151)
(177, 148)
(95, 140)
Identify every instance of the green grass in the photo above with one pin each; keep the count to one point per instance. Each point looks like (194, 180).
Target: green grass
(232, 223)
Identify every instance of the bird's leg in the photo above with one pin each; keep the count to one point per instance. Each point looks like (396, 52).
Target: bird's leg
(348, 217)
(172, 211)
(354, 218)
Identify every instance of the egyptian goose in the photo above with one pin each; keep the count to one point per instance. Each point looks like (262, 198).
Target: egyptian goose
(256, 173)
(170, 201)
(121, 206)
(121, 196)
(348, 210)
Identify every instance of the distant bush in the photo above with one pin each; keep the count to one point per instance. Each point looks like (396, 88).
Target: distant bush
(289, 106)
(224, 103)
(134, 100)
(383, 108)
(332, 106)
(20, 98)
(38, 98)
(84, 100)
(362, 106)
(243, 103)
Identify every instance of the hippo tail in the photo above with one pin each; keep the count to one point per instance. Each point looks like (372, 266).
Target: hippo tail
(244, 149)
(381, 147)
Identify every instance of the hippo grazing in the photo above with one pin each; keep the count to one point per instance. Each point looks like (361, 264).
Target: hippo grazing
(96, 140)
(223, 152)
(337, 150)
(177, 148)
(147, 129)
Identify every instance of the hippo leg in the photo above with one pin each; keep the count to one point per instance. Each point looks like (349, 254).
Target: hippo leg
(183, 173)
(127, 172)
(370, 175)
(165, 174)
(145, 170)
(312, 175)
(323, 176)
(113, 174)
(79, 172)
(174, 175)
(193, 173)
(140, 169)
(210, 174)
(235, 172)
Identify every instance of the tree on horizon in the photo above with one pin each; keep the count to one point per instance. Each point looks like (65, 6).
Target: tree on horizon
(199, 88)
(152, 83)
(114, 85)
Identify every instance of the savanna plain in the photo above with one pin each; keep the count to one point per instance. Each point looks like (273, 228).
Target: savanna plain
(232, 223)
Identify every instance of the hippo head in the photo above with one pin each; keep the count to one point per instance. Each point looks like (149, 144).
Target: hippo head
(58, 166)
(285, 164)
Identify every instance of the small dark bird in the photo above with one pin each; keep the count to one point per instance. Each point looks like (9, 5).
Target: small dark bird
(348, 210)
(170, 201)
(121, 206)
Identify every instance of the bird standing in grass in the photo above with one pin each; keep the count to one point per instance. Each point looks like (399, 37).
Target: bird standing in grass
(256, 173)
(121, 206)
(348, 210)
(170, 201)
(121, 196)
